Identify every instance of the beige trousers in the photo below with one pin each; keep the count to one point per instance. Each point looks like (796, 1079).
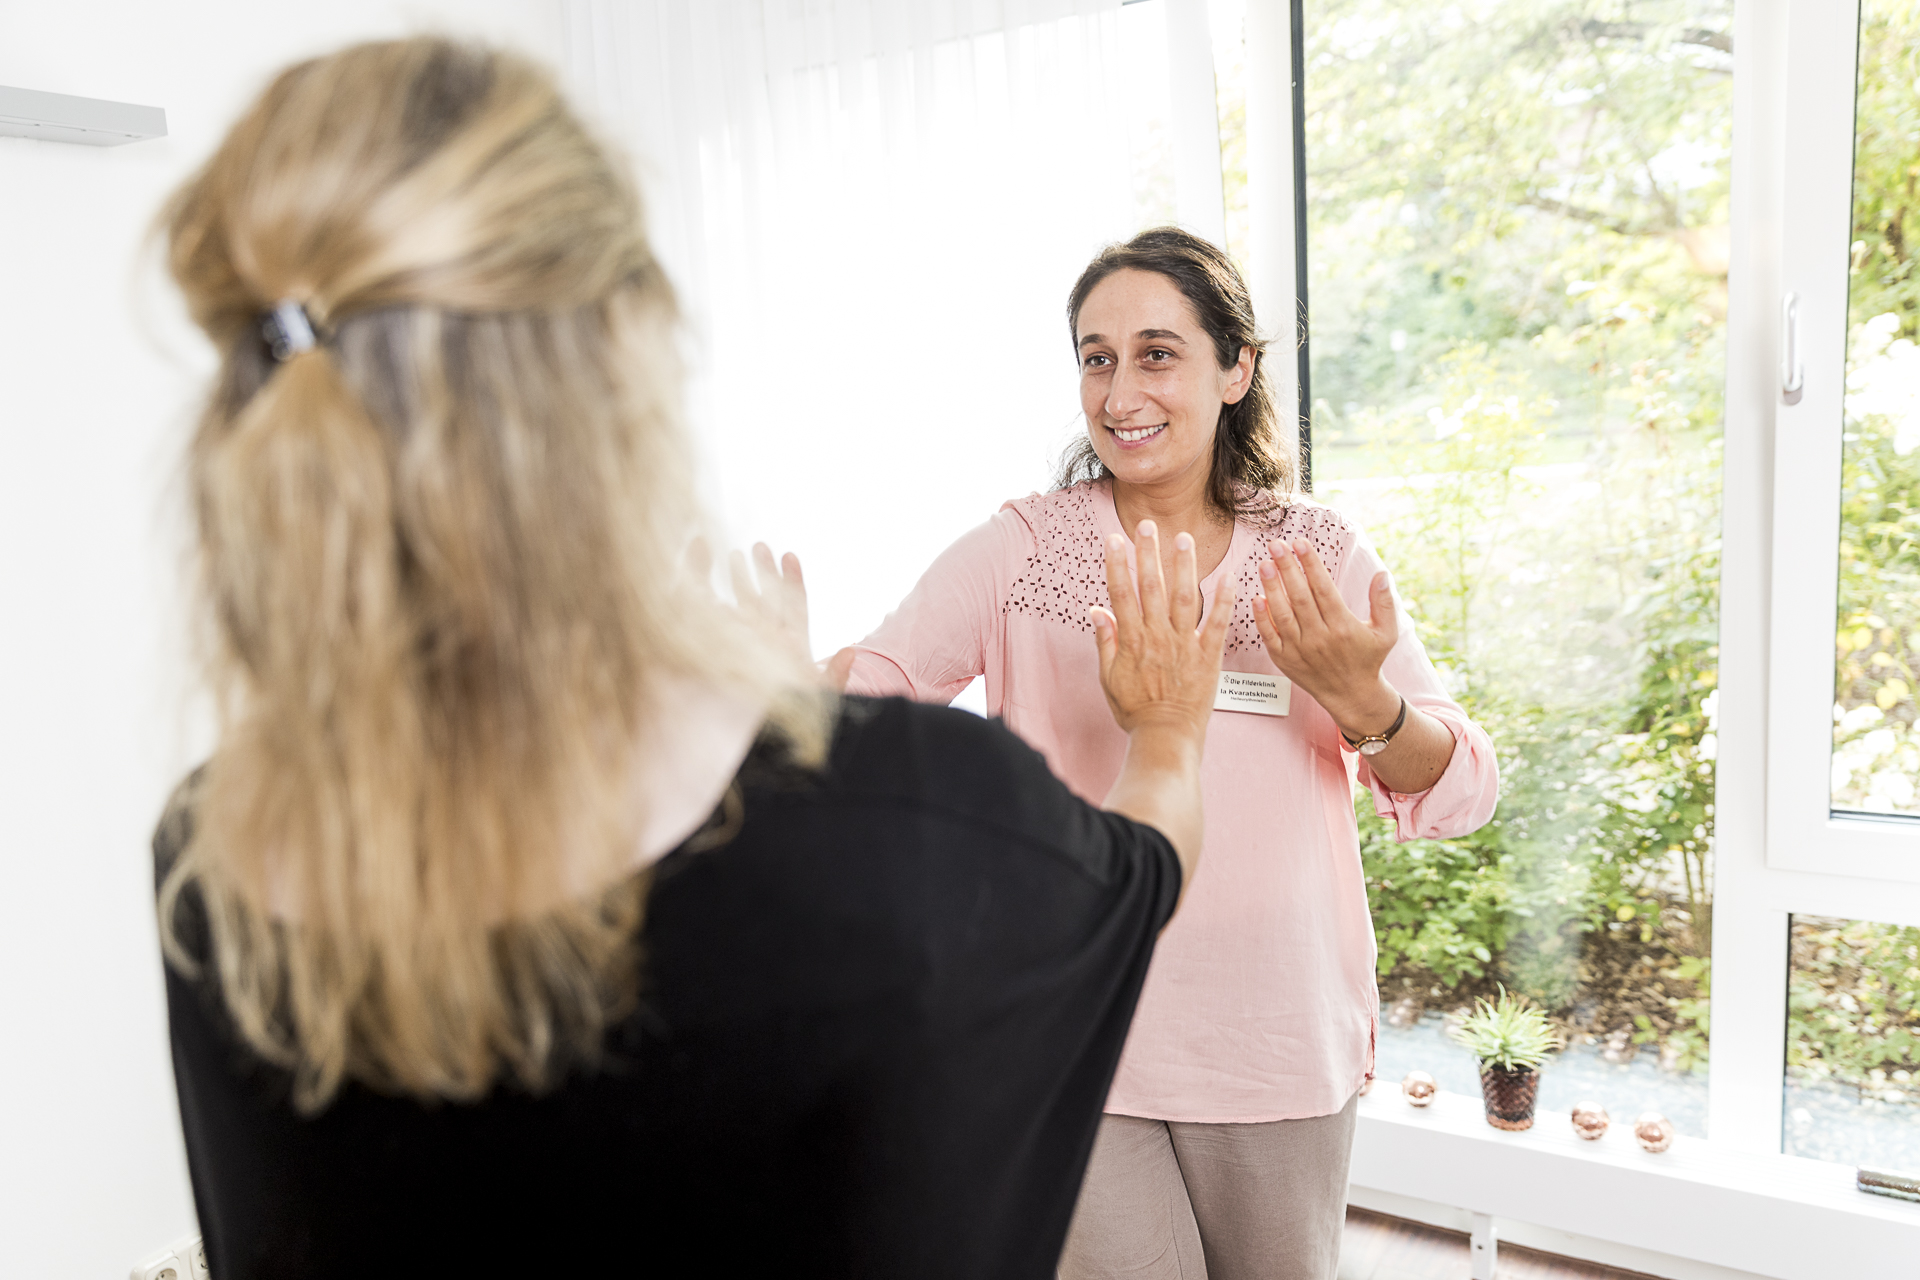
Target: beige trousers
(1167, 1200)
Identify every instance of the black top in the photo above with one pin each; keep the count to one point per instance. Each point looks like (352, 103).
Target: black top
(876, 1031)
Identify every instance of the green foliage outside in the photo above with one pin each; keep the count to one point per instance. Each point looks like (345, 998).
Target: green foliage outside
(1518, 232)
(1854, 997)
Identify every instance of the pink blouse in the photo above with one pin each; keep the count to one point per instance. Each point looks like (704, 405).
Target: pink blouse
(1261, 1002)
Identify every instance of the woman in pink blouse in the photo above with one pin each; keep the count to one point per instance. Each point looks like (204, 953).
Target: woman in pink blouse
(1223, 1152)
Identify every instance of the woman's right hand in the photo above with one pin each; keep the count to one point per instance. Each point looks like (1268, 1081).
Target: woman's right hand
(1158, 665)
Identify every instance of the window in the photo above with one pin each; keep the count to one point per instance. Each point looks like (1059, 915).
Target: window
(1853, 1053)
(1517, 236)
(1876, 755)
(1835, 900)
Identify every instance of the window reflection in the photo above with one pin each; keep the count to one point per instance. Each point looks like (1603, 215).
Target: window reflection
(1517, 230)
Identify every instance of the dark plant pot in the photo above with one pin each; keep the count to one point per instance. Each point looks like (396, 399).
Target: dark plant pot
(1509, 1095)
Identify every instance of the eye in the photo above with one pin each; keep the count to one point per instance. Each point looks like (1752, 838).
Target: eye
(1159, 355)
(1097, 361)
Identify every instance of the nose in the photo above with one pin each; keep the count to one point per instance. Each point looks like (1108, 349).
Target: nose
(1126, 394)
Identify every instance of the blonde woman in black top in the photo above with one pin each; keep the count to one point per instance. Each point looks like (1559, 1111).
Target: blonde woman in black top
(535, 912)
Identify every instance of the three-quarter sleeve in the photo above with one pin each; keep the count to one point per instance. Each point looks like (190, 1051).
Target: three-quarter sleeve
(1464, 796)
(932, 646)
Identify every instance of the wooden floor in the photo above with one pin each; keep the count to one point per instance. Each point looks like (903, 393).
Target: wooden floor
(1377, 1247)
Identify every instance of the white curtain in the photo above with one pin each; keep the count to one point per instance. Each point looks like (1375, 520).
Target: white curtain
(874, 210)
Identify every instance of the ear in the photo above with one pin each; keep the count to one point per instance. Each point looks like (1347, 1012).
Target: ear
(1240, 377)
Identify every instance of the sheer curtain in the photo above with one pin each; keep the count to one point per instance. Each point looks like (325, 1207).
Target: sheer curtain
(874, 210)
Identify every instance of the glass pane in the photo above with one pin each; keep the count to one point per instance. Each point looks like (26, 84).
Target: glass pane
(1518, 253)
(1876, 754)
(1853, 1044)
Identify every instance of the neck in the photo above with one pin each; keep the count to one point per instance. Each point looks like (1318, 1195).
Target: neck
(1176, 506)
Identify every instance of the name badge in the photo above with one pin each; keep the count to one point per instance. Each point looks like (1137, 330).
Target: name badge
(1248, 691)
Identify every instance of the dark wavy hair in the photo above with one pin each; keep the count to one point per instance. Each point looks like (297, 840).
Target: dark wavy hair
(1256, 466)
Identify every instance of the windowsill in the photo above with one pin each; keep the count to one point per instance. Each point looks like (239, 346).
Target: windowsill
(1779, 1216)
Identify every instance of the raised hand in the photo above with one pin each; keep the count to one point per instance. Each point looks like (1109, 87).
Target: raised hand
(1157, 663)
(1160, 670)
(773, 595)
(1322, 645)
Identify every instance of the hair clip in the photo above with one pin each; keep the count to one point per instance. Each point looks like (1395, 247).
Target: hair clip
(287, 330)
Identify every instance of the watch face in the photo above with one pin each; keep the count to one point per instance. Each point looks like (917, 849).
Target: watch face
(1371, 747)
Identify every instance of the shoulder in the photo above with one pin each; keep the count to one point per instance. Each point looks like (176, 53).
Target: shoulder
(1061, 516)
(964, 770)
(175, 828)
(188, 928)
(1325, 529)
(1329, 532)
(1065, 570)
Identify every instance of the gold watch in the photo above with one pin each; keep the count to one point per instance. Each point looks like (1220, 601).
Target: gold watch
(1374, 743)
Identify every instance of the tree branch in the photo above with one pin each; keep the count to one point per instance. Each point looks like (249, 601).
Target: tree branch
(1549, 205)
(1595, 29)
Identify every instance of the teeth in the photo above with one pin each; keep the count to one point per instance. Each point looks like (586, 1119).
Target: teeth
(1139, 433)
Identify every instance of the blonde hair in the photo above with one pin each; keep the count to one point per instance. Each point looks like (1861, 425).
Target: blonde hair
(436, 561)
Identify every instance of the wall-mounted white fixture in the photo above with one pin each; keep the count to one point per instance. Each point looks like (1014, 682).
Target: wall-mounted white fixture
(93, 122)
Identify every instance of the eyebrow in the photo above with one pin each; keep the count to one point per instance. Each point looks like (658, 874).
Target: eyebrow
(1153, 335)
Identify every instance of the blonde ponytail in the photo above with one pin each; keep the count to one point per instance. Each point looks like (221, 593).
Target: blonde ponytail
(436, 558)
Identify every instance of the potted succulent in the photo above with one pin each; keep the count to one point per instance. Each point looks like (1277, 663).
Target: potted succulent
(1512, 1039)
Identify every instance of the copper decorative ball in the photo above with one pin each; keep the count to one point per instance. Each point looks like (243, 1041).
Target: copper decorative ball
(1419, 1088)
(1654, 1131)
(1590, 1120)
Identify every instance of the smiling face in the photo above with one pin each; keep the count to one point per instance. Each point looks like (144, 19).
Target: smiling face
(1149, 382)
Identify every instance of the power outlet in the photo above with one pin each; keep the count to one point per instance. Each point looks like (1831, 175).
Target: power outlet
(164, 1265)
(184, 1259)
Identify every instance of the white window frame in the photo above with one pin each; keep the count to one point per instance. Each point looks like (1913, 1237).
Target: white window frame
(1815, 227)
(1779, 850)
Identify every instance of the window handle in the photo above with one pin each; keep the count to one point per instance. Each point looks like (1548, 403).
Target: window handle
(1793, 372)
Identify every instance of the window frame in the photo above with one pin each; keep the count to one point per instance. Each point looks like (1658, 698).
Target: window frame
(1803, 834)
(1779, 850)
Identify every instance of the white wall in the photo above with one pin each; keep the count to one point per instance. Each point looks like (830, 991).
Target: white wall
(95, 386)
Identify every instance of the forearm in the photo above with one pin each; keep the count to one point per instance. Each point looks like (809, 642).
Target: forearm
(1159, 785)
(1418, 754)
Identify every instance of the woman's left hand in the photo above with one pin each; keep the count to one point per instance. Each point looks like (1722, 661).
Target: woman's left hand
(1322, 645)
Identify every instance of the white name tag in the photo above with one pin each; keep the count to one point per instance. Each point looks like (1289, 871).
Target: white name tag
(1247, 691)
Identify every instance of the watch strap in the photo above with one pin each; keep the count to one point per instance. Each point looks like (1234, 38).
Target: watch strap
(1381, 738)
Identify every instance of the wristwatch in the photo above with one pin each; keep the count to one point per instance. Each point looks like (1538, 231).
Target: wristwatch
(1374, 743)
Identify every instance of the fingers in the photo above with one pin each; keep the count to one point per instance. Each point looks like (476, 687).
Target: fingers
(745, 593)
(763, 564)
(1292, 577)
(1185, 614)
(700, 560)
(1213, 633)
(1273, 602)
(1153, 582)
(1126, 606)
(1384, 618)
(1106, 638)
(1325, 594)
(1269, 634)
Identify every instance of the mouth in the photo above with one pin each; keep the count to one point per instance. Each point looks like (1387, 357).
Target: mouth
(1137, 435)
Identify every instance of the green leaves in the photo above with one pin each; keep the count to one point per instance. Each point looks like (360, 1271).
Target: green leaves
(1439, 905)
(1507, 1032)
(1854, 1004)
